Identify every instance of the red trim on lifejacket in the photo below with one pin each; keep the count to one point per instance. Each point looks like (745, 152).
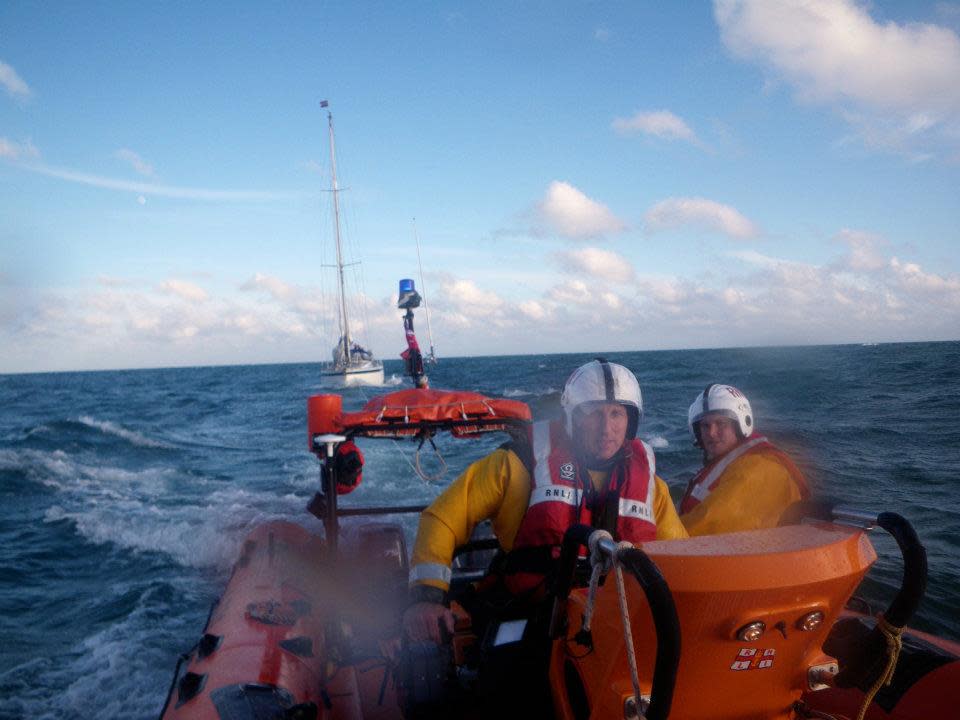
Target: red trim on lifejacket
(557, 499)
(762, 447)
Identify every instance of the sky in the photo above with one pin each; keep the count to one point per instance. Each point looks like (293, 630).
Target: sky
(582, 177)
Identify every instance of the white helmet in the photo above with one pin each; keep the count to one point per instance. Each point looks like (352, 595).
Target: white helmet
(723, 400)
(602, 381)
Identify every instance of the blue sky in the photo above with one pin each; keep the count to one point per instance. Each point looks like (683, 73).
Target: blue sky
(584, 176)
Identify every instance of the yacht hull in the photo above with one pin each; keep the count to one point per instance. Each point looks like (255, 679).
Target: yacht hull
(366, 374)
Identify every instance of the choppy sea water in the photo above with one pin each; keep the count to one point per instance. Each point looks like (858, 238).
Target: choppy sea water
(125, 495)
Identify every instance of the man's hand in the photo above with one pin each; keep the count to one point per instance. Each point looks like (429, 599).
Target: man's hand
(422, 621)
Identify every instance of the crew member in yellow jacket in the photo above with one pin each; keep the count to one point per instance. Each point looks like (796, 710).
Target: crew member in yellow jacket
(586, 468)
(746, 482)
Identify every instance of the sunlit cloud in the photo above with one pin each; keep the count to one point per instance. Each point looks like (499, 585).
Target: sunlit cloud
(596, 262)
(533, 309)
(468, 294)
(679, 212)
(575, 292)
(12, 82)
(864, 249)
(272, 285)
(759, 299)
(912, 277)
(659, 123)
(134, 160)
(895, 83)
(185, 290)
(570, 213)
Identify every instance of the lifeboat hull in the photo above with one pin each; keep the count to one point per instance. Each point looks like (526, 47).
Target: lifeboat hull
(300, 636)
(266, 649)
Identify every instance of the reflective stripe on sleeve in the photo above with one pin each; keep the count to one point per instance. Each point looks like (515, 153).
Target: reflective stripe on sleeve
(643, 510)
(541, 455)
(554, 493)
(430, 571)
(635, 509)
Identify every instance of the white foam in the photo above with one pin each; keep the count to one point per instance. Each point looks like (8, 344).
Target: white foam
(658, 442)
(120, 671)
(130, 436)
(512, 393)
(143, 510)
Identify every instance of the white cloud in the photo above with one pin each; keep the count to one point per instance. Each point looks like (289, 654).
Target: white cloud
(271, 285)
(598, 263)
(185, 290)
(11, 150)
(13, 83)
(569, 212)
(666, 291)
(759, 299)
(912, 277)
(679, 212)
(893, 81)
(466, 293)
(136, 162)
(533, 309)
(574, 292)
(864, 249)
(660, 123)
(611, 300)
(149, 189)
(753, 257)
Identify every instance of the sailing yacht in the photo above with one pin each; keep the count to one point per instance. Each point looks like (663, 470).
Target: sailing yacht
(352, 364)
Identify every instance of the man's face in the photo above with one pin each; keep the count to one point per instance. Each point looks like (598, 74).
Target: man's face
(599, 429)
(718, 435)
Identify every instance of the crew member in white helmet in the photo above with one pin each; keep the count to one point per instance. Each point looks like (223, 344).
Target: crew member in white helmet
(586, 468)
(746, 482)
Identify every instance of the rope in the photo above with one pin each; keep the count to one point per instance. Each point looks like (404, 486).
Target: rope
(443, 463)
(601, 564)
(625, 620)
(893, 635)
(399, 447)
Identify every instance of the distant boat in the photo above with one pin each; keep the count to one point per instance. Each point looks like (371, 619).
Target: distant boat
(352, 364)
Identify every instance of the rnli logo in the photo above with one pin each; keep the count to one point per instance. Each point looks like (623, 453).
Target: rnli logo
(637, 510)
(753, 659)
(559, 493)
(567, 472)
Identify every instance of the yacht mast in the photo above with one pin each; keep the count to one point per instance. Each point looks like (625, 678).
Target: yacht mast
(423, 289)
(344, 323)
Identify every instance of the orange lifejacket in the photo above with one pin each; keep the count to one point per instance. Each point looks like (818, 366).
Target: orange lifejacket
(704, 482)
(562, 495)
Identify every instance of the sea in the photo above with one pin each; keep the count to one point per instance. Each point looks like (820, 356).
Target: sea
(124, 495)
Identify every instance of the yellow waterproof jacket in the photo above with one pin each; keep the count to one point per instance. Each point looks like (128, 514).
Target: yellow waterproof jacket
(497, 488)
(751, 493)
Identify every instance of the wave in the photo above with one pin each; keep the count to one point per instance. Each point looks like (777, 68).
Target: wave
(518, 392)
(110, 668)
(131, 436)
(658, 442)
(515, 393)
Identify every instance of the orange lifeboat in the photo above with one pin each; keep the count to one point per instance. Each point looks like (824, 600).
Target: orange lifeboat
(728, 627)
